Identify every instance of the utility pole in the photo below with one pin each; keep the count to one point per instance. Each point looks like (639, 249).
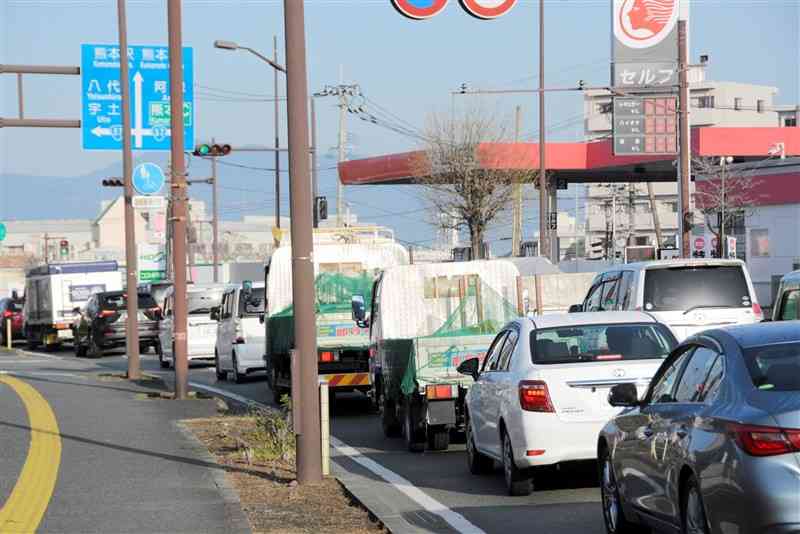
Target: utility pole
(342, 153)
(277, 139)
(178, 185)
(631, 212)
(685, 170)
(314, 160)
(306, 401)
(544, 233)
(215, 218)
(654, 211)
(132, 280)
(516, 228)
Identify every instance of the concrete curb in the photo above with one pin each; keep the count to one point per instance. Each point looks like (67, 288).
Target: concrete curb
(233, 506)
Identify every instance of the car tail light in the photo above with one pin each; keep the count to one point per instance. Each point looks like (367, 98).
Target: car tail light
(535, 452)
(534, 396)
(759, 313)
(328, 356)
(765, 440)
(107, 313)
(439, 391)
(7, 314)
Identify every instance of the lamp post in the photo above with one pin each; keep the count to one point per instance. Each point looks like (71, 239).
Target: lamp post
(230, 45)
(723, 161)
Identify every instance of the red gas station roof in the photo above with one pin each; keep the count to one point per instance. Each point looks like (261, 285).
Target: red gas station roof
(585, 162)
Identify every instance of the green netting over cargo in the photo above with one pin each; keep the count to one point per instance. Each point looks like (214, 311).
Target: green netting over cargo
(333, 296)
(466, 333)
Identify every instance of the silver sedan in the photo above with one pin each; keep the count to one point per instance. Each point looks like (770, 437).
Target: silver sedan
(714, 446)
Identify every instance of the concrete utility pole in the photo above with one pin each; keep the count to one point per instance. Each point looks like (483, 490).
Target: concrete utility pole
(544, 233)
(132, 280)
(654, 210)
(306, 401)
(685, 160)
(215, 218)
(277, 138)
(178, 199)
(516, 228)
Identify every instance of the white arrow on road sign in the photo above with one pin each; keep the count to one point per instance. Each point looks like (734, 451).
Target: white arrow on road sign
(137, 98)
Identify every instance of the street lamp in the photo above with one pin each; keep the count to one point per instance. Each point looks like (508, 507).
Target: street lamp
(724, 162)
(230, 45)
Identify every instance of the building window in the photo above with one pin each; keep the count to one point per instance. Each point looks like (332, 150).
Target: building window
(604, 108)
(737, 104)
(760, 106)
(704, 102)
(672, 206)
(759, 243)
(790, 123)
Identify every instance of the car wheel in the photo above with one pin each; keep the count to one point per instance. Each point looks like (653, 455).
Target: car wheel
(221, 375)
(438, 438)
(518, 481)
(414, 441)
(237, 376)
(478, 463)
(391, 425)
(694, 519)
(613, 514)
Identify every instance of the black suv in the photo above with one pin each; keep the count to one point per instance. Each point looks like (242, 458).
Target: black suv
(102, 323)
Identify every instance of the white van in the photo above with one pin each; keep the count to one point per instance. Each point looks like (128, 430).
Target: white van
(688, 295)
(785, 307)
(201, 332)
(240, 334)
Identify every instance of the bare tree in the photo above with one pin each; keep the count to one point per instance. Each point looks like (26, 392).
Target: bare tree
(467, 188)
(723, 194)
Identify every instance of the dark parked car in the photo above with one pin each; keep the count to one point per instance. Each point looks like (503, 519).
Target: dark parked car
(11, 308)
(102, 323)
(714, 447)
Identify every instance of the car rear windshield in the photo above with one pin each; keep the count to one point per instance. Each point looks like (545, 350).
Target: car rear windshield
(200, 303)
(120, 302)
(252, 305)
(774, 367)
(599, 343)
(684, 288)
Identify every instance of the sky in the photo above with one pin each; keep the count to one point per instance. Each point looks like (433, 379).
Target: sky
(406, 70)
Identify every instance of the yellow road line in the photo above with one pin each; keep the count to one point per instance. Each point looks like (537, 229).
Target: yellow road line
(25, 507)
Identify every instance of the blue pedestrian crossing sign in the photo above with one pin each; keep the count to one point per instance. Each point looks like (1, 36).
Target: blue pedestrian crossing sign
(101, 113)
(148, 179)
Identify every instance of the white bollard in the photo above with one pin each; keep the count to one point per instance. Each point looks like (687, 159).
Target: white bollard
(325, 427)
(8, 333)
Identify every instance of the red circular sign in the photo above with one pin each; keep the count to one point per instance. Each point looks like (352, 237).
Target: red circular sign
(644, 23)
(419, 9)
(699, 243)
(488, 9)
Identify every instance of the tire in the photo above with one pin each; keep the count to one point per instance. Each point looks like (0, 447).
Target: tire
(518, 481)
(32, 342)
(693, 511)
(237, 377)
(478, 463)
(221, 375)
(277, 391)
(160, 352)
(613, 512)
(411, 432)
(438, 438)
(392, 428)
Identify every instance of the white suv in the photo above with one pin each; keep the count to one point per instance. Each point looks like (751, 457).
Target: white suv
(240, 334)
(201, 328)
(540, 396)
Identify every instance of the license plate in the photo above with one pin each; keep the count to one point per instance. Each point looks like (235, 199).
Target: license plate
(64, 334)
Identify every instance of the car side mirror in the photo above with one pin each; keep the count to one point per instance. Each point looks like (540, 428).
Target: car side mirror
(624, 395)
(359, 311)
(76, 310)
(470, 367)
(261, 318)
(215, 314)
(576, 308)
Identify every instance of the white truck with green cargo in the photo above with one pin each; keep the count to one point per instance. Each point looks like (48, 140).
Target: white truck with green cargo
(426, 319)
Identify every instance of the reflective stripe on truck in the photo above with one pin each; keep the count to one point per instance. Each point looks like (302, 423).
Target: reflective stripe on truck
(347, 379)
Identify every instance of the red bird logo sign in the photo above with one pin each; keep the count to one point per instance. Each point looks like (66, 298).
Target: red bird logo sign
(644, 23)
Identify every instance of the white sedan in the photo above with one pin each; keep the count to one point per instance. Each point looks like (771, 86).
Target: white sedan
(540, 395)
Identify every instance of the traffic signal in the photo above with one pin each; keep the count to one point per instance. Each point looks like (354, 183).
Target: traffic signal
(212, 150)
(322, 208)
(113, 182)
(63, 248)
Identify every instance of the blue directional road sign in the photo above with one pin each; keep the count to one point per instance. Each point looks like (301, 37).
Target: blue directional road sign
(101, 114)
(148, 179)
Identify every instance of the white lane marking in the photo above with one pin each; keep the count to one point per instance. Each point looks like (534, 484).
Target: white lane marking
(454, 519)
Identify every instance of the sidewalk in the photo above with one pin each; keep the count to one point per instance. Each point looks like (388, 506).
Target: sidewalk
(125, 463)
